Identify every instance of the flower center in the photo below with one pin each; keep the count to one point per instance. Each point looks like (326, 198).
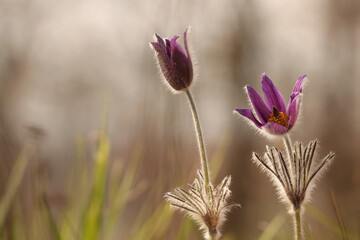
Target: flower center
(279, 117)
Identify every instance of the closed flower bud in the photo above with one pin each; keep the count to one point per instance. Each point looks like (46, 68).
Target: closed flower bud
(174, 62)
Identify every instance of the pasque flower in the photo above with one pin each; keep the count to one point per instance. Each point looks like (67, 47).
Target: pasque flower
(293, 175)
(206, 204)
(274, 117)
(175, 64)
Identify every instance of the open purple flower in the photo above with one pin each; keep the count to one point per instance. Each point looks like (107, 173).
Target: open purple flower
(274, 117)
(175, 65)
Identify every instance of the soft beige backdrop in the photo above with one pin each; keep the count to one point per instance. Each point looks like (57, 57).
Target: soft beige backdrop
(58, 58)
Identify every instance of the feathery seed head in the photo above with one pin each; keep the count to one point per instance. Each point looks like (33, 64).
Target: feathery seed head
(209, 212)
(294, 178)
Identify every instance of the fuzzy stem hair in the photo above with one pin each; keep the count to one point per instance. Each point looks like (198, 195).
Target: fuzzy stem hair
(203, 157)
(289, 151)
(298, 229)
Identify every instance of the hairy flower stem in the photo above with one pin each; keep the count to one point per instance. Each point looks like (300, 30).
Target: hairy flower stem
(287, 142)
(204, 162)
(298, 233)
(289, 151)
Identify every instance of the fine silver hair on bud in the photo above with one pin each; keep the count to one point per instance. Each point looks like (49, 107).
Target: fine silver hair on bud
(174, 62)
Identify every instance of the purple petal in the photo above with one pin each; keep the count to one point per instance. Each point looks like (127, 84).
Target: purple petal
(163, 58)
(298, 84)
(274, 128)
(174, 45)
(181, 65)
(249, 114)
(160, 41)
(185, 42)
(292, 96)
(293, 109)
(167, 47)
(273, 96)
(297, 88)
(164, 62)
(188, 53)
(262, 112)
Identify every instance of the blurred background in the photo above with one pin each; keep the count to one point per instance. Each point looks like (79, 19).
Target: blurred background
(58, 59)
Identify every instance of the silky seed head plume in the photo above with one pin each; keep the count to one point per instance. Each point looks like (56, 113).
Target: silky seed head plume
(294, 178)
(208, 211)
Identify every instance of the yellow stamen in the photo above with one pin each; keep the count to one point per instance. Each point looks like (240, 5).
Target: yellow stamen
(279, 118)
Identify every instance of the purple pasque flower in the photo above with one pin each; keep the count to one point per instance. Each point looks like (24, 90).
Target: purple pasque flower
(175, 64)
(274, 117)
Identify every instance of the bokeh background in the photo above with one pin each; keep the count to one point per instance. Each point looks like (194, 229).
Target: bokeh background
(59, 58)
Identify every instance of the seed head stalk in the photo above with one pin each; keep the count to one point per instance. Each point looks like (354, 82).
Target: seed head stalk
(289, 151)
(203, 158)
(297, 215)
(297, 210)
(287, 142)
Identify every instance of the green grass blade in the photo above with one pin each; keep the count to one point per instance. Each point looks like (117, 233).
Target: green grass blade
(78, 182)
(53, 228)
(339, 217)
(92, 218)
(16, 176)
(185, 229)
(326, 221)
(273, 227)
(156, 224)
(92, 221)
(124, 191)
